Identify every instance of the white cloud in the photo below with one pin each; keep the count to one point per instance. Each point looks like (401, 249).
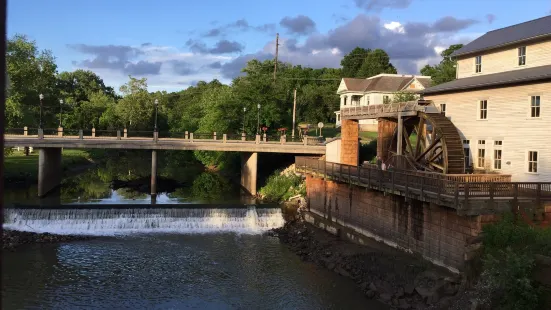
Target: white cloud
(395, 27)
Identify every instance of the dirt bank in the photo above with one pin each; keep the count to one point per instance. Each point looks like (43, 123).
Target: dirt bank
(391, 276)
(12, 239)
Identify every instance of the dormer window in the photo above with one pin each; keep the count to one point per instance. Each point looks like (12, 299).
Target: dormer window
(522, 56)
(478, 64)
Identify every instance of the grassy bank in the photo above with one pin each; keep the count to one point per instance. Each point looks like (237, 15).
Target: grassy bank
(282, 185)
(18, 166)
(512, 269)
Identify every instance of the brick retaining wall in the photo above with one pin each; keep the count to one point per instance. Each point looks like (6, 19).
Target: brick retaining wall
(435, 232)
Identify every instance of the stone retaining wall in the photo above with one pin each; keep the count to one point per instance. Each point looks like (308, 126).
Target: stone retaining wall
(435, 232)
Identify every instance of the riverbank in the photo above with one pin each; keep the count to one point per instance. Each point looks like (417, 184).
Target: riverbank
(21, 170)
(395, 278)
(12, 239)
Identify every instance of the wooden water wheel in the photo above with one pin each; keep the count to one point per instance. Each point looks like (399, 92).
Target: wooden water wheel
(430, 142)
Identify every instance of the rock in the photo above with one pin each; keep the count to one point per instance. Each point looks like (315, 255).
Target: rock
(331, 266)
(400, 292)
(395, 302)
(475, 305)
(372, 287)
(403, 304)
(364, 286)
(430, 286)
(370, 294)
(342, 272)
(385, 297)
(409, 288)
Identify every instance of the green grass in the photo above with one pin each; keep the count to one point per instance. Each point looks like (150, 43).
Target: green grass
(19, 165)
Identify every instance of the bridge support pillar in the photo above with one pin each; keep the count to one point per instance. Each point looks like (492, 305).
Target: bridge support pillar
(153, 173)
(350, 144)
(385, 131)
(249, 166)
(49, 170)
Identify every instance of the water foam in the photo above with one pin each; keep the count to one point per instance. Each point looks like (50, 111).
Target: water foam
(248, 220)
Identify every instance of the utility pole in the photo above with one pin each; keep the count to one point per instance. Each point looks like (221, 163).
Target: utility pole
(276, 54)
(294, 111)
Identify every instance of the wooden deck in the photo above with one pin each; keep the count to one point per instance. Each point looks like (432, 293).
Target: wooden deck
(489, 196)
(374, 111)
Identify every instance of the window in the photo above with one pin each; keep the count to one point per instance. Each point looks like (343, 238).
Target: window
(345, 97)
(481, 142)
(478, 64)
(386, 99)
(466, 142)
(498, 142)
(355, 100)
(443, 108)
(412, 85)
(522, 55)
(497, 159)
(467, 156)
(535, 106)
(532, 161)
(481, 154)
(483, 109)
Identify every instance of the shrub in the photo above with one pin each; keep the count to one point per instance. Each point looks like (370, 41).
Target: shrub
(280, 187)
(8, 151)
(509, 249)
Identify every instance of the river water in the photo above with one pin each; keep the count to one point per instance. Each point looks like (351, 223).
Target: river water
(173, 255)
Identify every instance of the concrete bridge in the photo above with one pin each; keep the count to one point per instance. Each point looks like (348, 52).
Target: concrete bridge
(50, 142)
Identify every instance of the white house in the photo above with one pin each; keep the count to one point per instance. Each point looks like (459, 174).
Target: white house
(501, 100)
(377, 89)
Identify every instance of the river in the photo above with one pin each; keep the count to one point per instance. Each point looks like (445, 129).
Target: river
(200, 247)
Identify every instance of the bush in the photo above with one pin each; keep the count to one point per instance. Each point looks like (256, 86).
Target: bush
(368, 151)
(509, 249)
(8, 151)
(280, 187)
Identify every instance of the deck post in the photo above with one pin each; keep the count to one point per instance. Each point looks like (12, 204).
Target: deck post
(243, 137)
(125, 133)
(224, 138)
(215, 136)
(422, 188)
(60, 131)
(191, 137)
(264, 137)
(466, 194)
(40, 133)
(25, 131)
(118, 134)
(456, 195)
(400, 134)
(80, 134)
(93, 132)
(186, 135)
(257, 139)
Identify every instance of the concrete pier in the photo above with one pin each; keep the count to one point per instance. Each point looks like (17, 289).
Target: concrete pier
(249, 166)
(49, 170)
(153, 173)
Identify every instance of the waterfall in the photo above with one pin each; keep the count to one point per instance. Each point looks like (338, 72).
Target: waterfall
(248, 220)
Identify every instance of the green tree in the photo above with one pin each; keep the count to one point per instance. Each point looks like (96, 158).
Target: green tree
(136, 109)
(376, 62)
(404, 96)
(353, 61)
(445, 71)
(30, 72)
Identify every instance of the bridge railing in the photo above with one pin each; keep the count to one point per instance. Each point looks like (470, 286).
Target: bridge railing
(69, 133)
(390, 108)
(427, 186)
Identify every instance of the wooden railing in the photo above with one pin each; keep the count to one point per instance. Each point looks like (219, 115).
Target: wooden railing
(452, 190)
(377, 110)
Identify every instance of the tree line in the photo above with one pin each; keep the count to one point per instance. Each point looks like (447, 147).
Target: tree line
(206, 107)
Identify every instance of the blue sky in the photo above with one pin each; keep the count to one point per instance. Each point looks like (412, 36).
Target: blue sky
(176, 43)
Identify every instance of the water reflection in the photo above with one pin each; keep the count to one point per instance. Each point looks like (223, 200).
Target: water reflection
(126, 179)
(218, 271)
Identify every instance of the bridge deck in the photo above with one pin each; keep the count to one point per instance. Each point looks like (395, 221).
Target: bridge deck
(470, 198)
(74, 142)
(391, 110)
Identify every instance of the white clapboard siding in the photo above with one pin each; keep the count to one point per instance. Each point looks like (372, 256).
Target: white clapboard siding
(537, 54)
(509, 121)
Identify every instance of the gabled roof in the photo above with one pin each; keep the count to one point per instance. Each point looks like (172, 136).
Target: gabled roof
(493, 80)
(514, 34)
(383, 83)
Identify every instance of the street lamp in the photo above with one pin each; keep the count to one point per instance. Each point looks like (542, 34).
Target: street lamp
(258, 118)
(60, 112)
(41, 97)
(156, 108)
(244, 110)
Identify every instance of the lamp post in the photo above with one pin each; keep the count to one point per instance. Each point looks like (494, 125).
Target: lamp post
(244, 110)
(258, 118)
(41, 97)
(60, 112)
(156, 108)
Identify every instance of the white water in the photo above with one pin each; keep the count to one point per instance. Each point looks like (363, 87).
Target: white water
(127, 221)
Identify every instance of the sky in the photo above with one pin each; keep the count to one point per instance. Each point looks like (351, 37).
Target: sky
(175, 43)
